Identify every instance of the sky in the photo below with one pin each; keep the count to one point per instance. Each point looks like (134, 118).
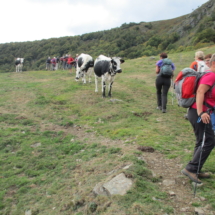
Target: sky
(30, 20)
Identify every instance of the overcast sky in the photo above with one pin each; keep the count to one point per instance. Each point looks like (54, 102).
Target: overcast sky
(29, 20)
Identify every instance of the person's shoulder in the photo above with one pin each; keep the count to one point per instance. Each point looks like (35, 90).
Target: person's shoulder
(159, 62)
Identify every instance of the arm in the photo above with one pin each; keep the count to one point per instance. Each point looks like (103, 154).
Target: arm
(202, 89)
(157, 69)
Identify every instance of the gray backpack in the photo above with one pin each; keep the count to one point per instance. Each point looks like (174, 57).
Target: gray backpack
(166, 68)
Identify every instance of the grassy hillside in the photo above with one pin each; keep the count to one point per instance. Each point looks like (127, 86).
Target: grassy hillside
(130, 40)
(59, 139)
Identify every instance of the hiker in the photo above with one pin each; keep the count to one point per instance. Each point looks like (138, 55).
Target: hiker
(199, 118)
(65, 62)
(70, 61)
(48, 63)
(163, 82)
(207, 61)
(53, 62)
(198, 65)
(57, 63)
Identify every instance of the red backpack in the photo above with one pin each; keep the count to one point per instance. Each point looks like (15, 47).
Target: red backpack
(185, 86)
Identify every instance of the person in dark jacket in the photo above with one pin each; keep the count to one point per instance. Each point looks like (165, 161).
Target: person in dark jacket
(162, 84)
(48, 63)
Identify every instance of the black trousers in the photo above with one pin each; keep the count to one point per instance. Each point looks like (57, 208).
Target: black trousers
(209, 143)
(162, 86)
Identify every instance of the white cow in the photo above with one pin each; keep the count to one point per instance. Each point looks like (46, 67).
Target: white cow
(106, 68)
(19, 64)
(84, 64)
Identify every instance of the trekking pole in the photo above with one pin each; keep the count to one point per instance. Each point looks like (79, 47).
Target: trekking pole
(172, 89)
(201, 149)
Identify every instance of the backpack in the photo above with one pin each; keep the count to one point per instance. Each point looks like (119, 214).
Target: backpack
(185, 86)
(201, 66)
(166, 68)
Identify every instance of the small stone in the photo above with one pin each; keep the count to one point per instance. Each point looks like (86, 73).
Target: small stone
(171, 193)
(35, 145)
(168, 182)
(202, 198)
(199, 211)
(28, 212)
(127, 167)
(185, 209)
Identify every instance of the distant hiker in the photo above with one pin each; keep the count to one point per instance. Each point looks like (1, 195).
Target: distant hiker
(199, 65)
(48, 63)
(164, 71)
(207, 61)
(65, 62)
(199, 118)
(61, 62)
(57, 63)
(53, 62)
(70, 61)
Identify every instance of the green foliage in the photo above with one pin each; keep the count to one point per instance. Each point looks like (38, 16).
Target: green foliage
(207, 35)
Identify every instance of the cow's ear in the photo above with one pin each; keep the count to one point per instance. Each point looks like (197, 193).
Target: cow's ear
(111, 60)
(122, 61)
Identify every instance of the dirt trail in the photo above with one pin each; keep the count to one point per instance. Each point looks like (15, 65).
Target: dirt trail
(177, 186)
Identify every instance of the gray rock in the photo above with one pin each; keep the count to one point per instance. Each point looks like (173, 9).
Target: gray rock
(35, 145)
(99, 190)
(119, 185)
(199, 211)
(168, 183)
(28, 212)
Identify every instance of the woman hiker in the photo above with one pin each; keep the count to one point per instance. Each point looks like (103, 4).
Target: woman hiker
(162, 84)
(199, 118)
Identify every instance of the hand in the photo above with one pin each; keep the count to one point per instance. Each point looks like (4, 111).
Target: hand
(205, 118)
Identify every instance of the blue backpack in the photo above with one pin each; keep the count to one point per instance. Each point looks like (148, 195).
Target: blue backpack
(166, 68)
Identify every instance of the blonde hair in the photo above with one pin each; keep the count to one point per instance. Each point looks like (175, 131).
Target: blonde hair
(212, 59)
(200, 55)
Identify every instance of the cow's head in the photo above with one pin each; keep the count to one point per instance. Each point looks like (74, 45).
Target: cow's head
(83, 65)
(116, 61)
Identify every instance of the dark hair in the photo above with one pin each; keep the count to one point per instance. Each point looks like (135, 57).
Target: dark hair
(163, 55)
(208, 56)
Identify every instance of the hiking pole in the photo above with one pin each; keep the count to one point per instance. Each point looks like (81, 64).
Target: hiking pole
(201, 149)
(172, 89)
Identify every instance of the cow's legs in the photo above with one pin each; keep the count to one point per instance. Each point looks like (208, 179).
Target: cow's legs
(96, 83)
(110, 86)
(103, 86)
(84, 77)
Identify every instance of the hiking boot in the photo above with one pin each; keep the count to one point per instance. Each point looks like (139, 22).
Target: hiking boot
(159, 108)
(164, 111)
(192, 176)
(204, 175)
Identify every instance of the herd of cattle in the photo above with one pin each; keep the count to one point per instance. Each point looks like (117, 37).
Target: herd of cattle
(104, 67)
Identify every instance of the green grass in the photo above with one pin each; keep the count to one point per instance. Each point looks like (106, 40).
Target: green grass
(46, 163)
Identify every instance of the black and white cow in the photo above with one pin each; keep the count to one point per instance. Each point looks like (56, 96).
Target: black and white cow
(19, 64)
(84, 62)
(106, 68)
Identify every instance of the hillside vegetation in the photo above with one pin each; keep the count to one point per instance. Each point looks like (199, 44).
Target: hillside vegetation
(59, 139)
(129, 41)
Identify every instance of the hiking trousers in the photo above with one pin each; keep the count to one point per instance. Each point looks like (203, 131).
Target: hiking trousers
(162, 86)
(209, 143)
